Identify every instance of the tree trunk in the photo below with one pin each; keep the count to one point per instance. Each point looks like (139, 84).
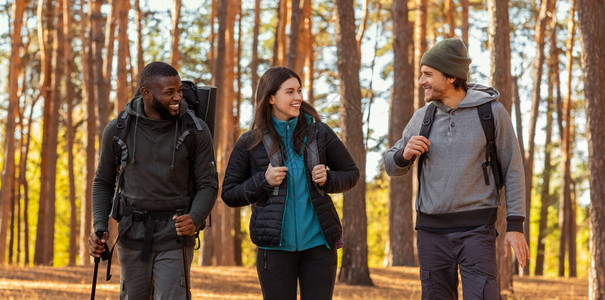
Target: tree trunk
(592, 39)
(212, 38)
(237, 212)
(175, 33)
(450, 12)
(254, 63)
(24, 183)
(464, 17)
(363, 25)
(110, 37)
(354, 268)
(310, 50)
(8, 170)
(401, 232)
(567, 139)
(546, 174)
(45, 39)
(138, 17)
(123, 87)
(537, 80)
(102, 89)
(295, 20)
(88, 95)
(420, 47)
(70, 133)
(500, 78)
(222, 238)
(279, 46)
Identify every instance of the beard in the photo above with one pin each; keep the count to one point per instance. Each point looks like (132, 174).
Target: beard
(436, 95)
(163, 110)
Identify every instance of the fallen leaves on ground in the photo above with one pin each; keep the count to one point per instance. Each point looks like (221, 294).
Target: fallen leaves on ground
(241, 283)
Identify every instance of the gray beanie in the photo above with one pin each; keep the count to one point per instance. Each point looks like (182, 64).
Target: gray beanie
(449, 57)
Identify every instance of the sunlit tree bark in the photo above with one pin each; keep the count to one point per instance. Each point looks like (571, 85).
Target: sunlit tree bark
(401, 228)
(8, 169)
(537, 80)
(354, 268)
(175, 34)
(592, 38)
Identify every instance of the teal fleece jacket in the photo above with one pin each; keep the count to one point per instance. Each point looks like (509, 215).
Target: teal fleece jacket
(453, 192)
(156, 176)
(300, 226)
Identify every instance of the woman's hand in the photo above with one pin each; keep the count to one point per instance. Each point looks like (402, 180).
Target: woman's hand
(320, 174)
(275, 175)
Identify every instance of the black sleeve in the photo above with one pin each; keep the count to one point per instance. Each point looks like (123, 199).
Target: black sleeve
(103, 184)
(205, 178)
(242, 185)
(343, 173)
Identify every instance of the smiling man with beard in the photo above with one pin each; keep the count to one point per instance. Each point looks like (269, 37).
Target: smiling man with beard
(459, 187)
(158, 205)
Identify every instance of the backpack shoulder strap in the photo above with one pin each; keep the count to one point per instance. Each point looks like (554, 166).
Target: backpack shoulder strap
(425, 131)
(427, 122)
(491, 155)
(275, 158)
(312, 158)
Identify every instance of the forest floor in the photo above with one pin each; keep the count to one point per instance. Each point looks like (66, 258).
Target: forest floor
(241, 283)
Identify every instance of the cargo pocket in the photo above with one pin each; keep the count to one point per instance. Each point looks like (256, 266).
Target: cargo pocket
(425, 279)
(476, 289)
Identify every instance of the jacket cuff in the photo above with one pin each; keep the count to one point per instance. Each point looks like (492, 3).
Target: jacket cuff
(264, 181)
(400, 161)
(514, 223)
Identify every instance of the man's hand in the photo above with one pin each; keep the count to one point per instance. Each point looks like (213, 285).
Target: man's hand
(320, 174)
(96, 245)
(517, 241)
(275, 175)
(416, 146)
(184, 225)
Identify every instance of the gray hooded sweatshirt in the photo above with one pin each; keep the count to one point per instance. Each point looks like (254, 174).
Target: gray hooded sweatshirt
(453, 193)
(156, 176)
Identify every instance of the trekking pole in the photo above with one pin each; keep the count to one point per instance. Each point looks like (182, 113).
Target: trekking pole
(181, 240)
(97, 260)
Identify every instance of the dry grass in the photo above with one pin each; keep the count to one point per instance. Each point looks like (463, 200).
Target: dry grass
(241, 283)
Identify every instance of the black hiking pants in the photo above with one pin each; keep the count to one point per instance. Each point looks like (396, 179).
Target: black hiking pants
(279, 271)
(473, 252)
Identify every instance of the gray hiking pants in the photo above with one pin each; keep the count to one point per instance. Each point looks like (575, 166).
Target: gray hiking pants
(161, 276)
(474, 252)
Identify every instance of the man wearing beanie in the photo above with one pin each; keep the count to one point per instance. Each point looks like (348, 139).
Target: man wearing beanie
(460, 177)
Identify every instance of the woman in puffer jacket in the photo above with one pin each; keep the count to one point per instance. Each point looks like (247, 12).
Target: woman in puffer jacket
(285, 166)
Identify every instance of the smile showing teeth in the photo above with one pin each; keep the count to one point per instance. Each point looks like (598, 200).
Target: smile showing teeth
(174, 106)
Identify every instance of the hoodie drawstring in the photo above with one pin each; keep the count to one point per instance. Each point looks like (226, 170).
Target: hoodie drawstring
(134, 152)
(176, 127)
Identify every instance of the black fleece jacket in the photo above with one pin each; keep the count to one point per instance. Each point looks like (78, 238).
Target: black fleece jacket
(245, 183)
(156, 176)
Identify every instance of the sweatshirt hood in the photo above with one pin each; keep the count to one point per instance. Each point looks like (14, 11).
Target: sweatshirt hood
(476, 95)
(136, 108)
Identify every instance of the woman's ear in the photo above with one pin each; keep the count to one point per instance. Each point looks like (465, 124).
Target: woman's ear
(272, 99)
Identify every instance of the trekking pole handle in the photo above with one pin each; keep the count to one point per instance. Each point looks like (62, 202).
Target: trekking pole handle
(106, 254)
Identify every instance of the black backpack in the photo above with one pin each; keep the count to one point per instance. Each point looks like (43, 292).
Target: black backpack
(489, 129)
(201, 101)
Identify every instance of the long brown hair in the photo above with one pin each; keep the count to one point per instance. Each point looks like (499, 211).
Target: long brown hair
(268, 85)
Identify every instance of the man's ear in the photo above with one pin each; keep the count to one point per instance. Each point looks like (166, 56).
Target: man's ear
(451, 80)
(145, 92)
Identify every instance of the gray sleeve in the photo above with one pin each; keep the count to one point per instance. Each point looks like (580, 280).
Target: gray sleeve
(511, 163)
(394, 163)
